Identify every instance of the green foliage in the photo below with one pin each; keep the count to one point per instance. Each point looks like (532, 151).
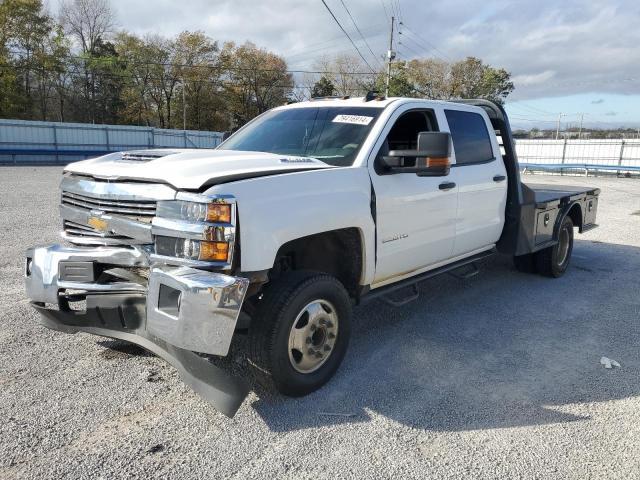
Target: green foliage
(23, 41)
(400, 83)
(77, 69)
(323, 88)
(255, 81)
(468, 78)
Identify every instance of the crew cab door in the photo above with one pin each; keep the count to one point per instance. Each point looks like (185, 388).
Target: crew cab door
(481, 177)
(415, 216)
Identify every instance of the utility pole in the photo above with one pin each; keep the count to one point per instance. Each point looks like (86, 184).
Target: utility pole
(560, 115)
(184, 106)
(390, 56)
(581, 123)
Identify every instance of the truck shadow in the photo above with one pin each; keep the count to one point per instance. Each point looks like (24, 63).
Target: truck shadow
(502, 349)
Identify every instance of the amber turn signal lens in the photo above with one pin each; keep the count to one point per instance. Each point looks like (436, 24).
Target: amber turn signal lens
(214, 251)
(219, 212)
(433, 162)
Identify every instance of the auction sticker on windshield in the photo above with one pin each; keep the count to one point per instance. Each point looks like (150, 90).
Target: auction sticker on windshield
(353, 119)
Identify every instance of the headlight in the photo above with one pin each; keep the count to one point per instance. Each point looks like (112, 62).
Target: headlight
(212, 212)
(189, 249)
(195, 228)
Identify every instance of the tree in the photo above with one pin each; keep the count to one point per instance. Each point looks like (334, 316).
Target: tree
(89, 23)
(200, 88)
(9, 85)
(256, 80)
(400, 85)
(430, 78)
(50, 72)
(136, 56)
(323, 88)
(26, 27)
(349, 75)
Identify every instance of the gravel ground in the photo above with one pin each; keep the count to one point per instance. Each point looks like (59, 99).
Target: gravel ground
(497, 376)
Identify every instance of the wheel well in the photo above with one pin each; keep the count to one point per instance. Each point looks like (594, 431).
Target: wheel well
(575, 213)
(337, 253)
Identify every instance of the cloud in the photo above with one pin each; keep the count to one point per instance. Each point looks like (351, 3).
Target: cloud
(611, 114)
(597, 102)
(552, 48)
(533, 79)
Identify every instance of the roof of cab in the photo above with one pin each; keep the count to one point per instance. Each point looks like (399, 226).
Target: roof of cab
(360, 102)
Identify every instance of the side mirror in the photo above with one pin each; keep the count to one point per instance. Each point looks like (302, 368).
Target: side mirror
(431, 156)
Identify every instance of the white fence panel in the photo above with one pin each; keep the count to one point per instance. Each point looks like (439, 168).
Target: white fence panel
(25, 142)
(611, 153)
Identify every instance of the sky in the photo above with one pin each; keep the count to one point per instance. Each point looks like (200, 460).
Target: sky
(568, 56)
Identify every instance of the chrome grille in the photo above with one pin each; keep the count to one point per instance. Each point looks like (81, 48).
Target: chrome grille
(77, 230)
(99, 212)
(138, 210)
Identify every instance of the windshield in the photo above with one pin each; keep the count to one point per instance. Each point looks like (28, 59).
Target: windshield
(333, 135)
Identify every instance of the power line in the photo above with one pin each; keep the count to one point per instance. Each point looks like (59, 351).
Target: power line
(433, 47)
(219, 68)
(350, 39)
(146, 87)
(535, 110)
(404, 45)
(356, 25)
(424, 49)
(314, 47)
(399, 10)
(386, 14)
(393, 8)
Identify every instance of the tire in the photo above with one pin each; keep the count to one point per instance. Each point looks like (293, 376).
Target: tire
(553, 261)
(301, 308)
(525, 263)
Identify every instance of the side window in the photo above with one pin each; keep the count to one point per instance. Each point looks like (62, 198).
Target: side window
(470, 137)
(404, 133)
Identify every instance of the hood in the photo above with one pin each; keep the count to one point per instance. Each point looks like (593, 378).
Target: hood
(191, 169)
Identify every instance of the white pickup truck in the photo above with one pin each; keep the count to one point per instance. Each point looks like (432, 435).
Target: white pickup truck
(304, 212)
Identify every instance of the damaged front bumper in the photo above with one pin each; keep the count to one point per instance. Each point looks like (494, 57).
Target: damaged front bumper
(180, 313)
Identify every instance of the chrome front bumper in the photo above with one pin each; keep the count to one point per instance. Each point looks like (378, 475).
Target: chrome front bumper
(182, 310)
(189, 308)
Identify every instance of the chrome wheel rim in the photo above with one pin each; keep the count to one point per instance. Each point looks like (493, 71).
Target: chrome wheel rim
(563, 246)
(313, 336)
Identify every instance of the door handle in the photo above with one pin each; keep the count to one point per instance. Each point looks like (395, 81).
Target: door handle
(499, 178)
(447, 186)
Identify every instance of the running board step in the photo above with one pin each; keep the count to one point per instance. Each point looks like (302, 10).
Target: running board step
(408, 299)
(470, 272)
(383, 292)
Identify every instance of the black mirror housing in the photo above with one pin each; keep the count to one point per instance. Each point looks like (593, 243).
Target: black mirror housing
(431, 156)
(434, 144)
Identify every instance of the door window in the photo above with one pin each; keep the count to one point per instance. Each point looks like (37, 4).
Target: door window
(404, 134)
(470, 137)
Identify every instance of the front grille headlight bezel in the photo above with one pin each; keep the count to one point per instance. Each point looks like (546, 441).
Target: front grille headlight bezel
(185, 235)
(218, 211)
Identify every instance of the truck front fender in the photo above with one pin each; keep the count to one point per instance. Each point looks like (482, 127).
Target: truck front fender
(275, 210)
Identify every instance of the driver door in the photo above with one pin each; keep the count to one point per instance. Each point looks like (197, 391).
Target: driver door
(415, 216)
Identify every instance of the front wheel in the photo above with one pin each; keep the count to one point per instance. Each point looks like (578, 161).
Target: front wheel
(553, 261)
(300, 331)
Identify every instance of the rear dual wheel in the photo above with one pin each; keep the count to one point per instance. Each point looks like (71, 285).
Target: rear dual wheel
(552, 261)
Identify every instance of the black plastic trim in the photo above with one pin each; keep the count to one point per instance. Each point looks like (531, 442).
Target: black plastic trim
(122, 317)
(407, 282)
(471, 164)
